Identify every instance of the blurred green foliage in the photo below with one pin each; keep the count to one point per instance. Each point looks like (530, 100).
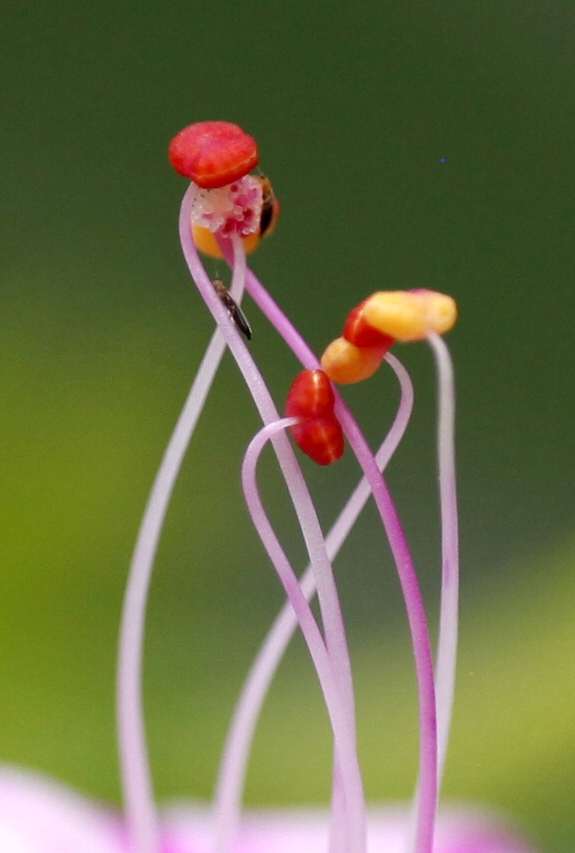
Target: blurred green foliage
(417, 144)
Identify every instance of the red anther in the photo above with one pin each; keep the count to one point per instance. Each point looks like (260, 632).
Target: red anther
(319, 433)
(213, 153)
(310, 396)
(321, 439)
(358, 331)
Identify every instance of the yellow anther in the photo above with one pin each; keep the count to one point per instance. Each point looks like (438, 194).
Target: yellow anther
(410, 315)
(207, 243)
(345, 363)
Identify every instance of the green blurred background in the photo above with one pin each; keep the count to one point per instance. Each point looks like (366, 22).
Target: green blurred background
(411, 144)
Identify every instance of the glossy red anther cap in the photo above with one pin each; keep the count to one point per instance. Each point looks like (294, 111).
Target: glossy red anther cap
(321, 439)
(310, 396)
(358, 331)
(213, 153)
(320, 435)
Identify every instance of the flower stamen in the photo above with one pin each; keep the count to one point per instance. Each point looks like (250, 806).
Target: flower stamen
(317, 431)
(213, 153)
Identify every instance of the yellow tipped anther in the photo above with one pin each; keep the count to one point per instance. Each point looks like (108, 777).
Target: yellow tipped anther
(207, 243)
(345, 363)
(410, 315)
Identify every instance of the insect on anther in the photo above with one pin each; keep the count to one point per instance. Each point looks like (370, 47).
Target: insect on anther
(234, 309)
(270, 207)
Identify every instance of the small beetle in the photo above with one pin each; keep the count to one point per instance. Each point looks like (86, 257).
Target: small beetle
(270, 206)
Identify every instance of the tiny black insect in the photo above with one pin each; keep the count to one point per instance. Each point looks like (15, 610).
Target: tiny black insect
(234, 309)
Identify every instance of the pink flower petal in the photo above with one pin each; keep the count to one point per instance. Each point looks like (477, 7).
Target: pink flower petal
(460, 830)
(38, 815)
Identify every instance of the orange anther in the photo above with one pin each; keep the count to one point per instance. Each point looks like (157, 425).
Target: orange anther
(207, 242)
(345, 363)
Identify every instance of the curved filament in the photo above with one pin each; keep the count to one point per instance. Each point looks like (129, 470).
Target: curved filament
(231, 776)
(330, 666)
